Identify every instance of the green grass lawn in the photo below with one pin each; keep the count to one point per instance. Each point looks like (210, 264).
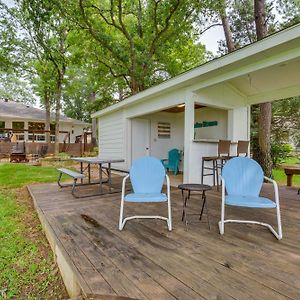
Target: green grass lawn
(27, 268)
(18, 175)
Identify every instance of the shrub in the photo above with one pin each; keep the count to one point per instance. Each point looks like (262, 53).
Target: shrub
(280, 152)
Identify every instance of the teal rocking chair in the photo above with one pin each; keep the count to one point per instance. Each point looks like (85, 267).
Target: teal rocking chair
(173, 161)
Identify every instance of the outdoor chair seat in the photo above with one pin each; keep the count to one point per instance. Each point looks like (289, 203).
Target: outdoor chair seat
(249, 201)
(146, 197)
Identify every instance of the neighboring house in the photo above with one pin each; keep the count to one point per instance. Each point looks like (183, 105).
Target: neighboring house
(16, 116)
(193, 110)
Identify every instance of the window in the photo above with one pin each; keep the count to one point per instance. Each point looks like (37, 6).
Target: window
(164, 130)
(17, 129)
(20, 137)
(36, 126)
(2, 125)
(17, 125)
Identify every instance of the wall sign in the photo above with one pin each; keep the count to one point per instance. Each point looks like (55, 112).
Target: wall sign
(164, 130)
(205, 124)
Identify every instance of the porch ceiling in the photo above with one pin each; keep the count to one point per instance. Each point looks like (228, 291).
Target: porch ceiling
(269, 84)
(275, 82)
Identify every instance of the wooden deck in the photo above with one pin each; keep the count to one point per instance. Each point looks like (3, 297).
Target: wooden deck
(145, 261)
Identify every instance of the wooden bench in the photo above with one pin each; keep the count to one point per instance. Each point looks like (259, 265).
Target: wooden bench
(73, 174)
(289, 172)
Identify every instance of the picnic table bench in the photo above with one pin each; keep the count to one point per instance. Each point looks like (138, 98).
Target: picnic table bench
(104, 166)
(73, 174)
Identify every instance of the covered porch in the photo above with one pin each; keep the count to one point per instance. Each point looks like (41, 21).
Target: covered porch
(192, 128)
(267, 70)
(146, 261)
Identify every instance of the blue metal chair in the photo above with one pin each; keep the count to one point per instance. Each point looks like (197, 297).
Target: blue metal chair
(242, 179)
(173, 161)
(147, 176)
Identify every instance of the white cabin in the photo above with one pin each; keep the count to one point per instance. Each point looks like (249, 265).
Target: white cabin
(192, 111)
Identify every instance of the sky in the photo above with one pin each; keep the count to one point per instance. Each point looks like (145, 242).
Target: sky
(211, 37)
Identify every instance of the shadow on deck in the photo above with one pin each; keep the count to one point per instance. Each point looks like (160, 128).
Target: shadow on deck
(145, 261)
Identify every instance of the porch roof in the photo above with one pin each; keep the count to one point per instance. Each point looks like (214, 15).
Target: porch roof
(263, 71)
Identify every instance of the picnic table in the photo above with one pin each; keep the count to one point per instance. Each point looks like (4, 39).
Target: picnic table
(105, 167)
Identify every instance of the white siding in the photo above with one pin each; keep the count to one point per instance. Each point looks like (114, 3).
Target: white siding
(112, 136)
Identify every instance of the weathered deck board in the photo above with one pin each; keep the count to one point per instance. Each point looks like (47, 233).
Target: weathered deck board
(145, 261)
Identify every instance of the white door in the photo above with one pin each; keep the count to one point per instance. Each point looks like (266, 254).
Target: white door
(140, 138)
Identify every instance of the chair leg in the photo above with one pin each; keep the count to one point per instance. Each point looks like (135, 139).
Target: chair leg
(58, 180)
(169, 221)
(221, 223)
(214, 172)
(202, 175)
(279, 226)
(121, 223)
(217, 175)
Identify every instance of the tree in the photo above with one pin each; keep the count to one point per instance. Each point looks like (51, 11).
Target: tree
(265, 115)
(39, 35)
(15, 88)
(48, 31)
(290, 12)
(132, 38)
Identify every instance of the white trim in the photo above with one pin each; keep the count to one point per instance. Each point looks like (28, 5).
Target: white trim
(274, 94)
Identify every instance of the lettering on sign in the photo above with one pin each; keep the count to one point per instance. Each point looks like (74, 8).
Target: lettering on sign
(205, 124)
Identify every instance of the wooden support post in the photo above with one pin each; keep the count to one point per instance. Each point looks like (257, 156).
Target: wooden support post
(85, 141)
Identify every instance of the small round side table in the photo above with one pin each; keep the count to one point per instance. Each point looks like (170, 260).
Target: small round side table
(194, 187)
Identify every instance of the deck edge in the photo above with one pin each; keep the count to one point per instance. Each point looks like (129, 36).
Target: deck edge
(69, 274)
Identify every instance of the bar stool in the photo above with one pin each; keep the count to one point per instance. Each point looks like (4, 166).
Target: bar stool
(242, 148)
(217, 161)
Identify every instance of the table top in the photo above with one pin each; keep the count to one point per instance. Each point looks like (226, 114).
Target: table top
(194, 187)
(97, 160)
(292, 170)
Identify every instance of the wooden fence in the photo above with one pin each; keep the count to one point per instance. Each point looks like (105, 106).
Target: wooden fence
(73, 149)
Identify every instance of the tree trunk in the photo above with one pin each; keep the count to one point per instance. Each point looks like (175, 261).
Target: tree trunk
(265, 116)
(57, 110)
(264, 137)
(227, 33)
(48, 116)
(94, 121)
(260, 19)
(226, 28)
